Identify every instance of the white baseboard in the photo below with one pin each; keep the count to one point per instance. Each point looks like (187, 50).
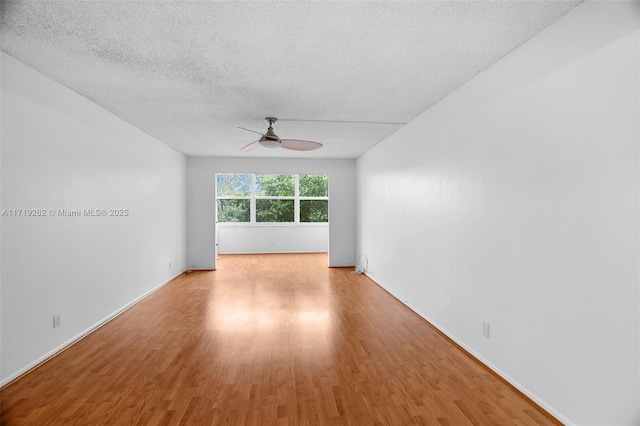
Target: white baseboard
(549, 409)
(82, 334)
(272, 252)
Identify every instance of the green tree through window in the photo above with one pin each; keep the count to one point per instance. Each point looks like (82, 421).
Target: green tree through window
(275, 185)
(279, 203)
(314, 211)
(314, 198)
(234, 211)
(233, 197)
(314, 186)
(234, 185)
(272, 198)
(275, 211)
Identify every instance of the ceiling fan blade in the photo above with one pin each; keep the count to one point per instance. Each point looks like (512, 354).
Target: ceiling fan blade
(249, 130)
(299, 145)
(249, 147)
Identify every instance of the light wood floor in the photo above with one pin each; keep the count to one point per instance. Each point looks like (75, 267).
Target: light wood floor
(266, 340)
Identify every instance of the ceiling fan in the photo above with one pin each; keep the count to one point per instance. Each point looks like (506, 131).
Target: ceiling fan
(270, 140)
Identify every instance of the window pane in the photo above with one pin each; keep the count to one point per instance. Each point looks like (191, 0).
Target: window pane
(234, 210)
(275, 186)
(314, 186)
(314, 211)
(274, 210)
(233, 185)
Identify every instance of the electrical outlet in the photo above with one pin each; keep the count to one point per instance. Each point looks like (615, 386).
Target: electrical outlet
(169, 265)
(486, 329)
(56, 321)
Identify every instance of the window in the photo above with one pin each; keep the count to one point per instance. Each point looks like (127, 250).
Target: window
(275, 198)
(234, 197)
(314, 198)
(272, 198)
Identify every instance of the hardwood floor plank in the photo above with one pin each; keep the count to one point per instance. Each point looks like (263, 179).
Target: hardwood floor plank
(266, 340)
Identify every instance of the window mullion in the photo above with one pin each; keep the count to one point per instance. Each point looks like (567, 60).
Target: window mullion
(252, 208)
(296, 203)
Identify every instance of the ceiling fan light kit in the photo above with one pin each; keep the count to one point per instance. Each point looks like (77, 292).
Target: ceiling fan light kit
(270, 140)
(269, 143)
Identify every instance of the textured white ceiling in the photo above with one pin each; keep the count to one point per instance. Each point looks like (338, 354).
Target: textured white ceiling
(189, 72)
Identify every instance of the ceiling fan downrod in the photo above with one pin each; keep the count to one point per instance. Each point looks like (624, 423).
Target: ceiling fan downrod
(270, 139)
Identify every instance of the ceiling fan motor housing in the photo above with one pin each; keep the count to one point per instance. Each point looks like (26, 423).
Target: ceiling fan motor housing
(270, 139)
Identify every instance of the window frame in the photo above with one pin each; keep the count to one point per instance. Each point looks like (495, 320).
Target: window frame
(253, 197)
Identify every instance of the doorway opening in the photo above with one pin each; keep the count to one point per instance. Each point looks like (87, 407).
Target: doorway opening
(272, 213)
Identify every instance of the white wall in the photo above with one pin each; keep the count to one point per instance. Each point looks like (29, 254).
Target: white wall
(273, 239)
(201, 173)
(61, 151)
(515, 201)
